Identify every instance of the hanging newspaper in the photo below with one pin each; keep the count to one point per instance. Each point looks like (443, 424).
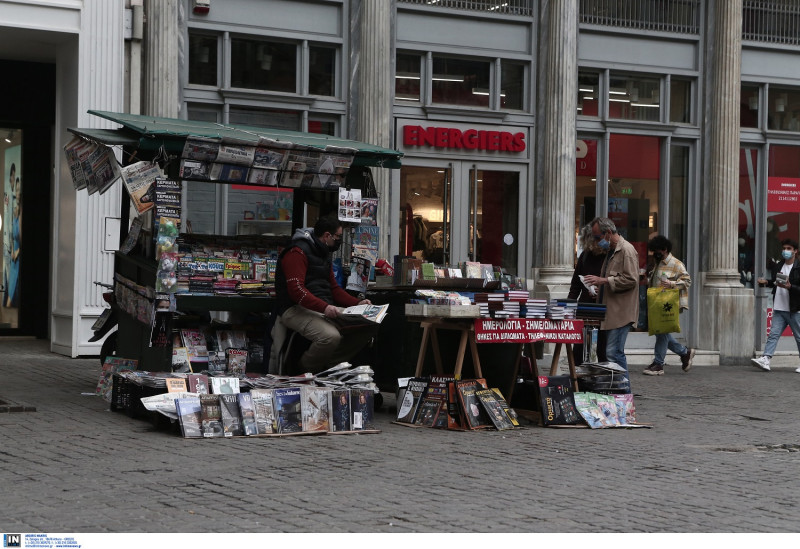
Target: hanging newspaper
(138, 179)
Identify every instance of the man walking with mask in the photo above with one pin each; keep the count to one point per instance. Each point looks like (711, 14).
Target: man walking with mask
(785, 284)
(619, 287)
(309, 298)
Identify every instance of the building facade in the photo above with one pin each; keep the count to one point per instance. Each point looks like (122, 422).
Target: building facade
(520, 121)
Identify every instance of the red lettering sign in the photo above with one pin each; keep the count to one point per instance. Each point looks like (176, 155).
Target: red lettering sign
(453, 138)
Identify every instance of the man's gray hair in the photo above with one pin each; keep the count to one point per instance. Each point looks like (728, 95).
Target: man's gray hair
(605, 225)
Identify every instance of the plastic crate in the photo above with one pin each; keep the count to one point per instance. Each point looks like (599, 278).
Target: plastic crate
(126, 396)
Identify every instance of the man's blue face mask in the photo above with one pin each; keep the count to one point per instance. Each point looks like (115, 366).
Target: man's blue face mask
(604, 244)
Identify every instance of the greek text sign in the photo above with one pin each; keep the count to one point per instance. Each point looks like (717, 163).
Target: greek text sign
(525, 330)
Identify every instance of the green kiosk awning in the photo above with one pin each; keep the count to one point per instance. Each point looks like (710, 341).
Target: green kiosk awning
(151, 133)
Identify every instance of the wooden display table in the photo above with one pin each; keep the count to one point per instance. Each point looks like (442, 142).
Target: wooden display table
(521, 331)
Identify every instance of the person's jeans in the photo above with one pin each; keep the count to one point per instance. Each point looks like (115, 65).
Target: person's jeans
(781, 319)
(615, 346)
(664, 342)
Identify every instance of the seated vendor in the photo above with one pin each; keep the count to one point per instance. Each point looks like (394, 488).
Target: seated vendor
(309, 299)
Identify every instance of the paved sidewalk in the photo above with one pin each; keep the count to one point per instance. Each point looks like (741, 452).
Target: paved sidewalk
(723, 456)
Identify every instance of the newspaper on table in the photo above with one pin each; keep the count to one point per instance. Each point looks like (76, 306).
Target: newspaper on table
(165, 403)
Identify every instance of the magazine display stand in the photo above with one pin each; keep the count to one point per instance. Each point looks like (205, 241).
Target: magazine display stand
(163, 141)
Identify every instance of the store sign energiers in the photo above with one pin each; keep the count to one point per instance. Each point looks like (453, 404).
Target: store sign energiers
(453, 138)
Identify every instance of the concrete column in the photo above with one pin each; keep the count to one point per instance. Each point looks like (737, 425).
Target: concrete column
(558, 146)
(163, 42)
(727, 307)
(374, 79)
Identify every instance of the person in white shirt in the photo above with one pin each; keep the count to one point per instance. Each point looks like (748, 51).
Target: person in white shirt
(785, 284)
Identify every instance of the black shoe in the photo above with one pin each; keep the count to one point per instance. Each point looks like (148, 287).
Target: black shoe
(654, 370)
(686, 360)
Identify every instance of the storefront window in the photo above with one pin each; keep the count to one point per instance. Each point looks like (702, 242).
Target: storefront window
(322, 126)
(513, 85)
(585, 184)
(494, 198)
(460, 81)
(588, 90)
(748, 171)
(407, 77)
(260, 65)
(424, 212)
(678, 188)
(634, 98)
(633, 171)
(680, 101)
(784, 109)
(322, 70)
(202, 60)
(266, 118)
(783, 204)
(748, 113)
(11, 225)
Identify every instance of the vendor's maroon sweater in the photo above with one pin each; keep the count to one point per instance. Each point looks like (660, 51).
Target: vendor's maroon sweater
(295, 265)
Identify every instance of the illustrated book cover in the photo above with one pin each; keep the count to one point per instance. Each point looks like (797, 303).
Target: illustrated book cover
(248, 413)
(211, 416)
(236, 360)
(195, 343)
(176, 385)
(340, 410)
(198, 383)
(410, 398)
(476, 416)
(265, 415)
(315, 407)
(189, 416)
(229, 412)
(286, 402)
(180, 360)
(433, 405)
(490, 401)
(557, 401)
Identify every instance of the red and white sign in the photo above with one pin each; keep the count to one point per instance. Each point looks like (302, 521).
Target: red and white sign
(783, 194)
(471, 139)
(526, 330)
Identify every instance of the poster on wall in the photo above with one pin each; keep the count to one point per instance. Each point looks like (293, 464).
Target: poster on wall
(11, 224)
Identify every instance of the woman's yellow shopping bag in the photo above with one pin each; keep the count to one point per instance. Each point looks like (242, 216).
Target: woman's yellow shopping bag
(663, 310)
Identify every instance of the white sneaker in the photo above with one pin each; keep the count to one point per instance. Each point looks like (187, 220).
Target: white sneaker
(797, 370)
(762, 363)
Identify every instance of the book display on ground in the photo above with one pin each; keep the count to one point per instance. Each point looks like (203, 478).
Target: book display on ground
(190, 416)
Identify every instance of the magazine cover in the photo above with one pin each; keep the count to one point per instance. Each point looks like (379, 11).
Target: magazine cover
(286, 402)
(265, 416)
(229, 412)
(315, 407)
(211, 416)
(362, 411)
(190, 416)
(359, 275)
(248, 412)
(237, 360)
(340, 410)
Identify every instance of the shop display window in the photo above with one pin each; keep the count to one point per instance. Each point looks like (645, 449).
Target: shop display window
(748, 177)
(460, 81)
(634, 98)
(783, 109)
(585, 185)
(588, 90)
(633, 170)
(512, 86)
(748, 112)
(260, 65)
(783, 199)
(202, 60)
(11, 144)
(407, 77)
(680, 101)
(322, 68)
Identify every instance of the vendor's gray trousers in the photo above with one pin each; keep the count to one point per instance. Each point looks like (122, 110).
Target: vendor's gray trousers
(330, 343)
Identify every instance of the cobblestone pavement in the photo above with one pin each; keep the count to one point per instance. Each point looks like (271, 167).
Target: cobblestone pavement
(723, 456)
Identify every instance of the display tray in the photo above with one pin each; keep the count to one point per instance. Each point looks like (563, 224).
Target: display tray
(443, 311)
